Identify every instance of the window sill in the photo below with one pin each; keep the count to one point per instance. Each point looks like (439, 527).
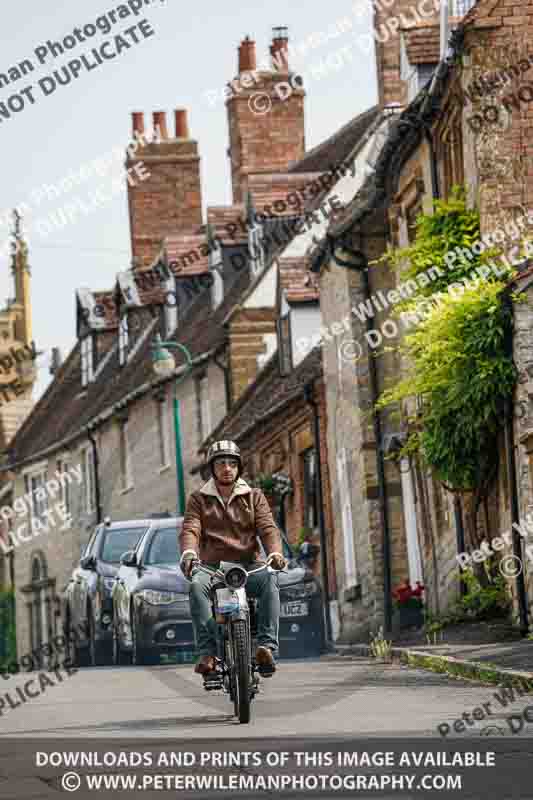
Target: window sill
(165, 468)
(127, 489)
(352, 594)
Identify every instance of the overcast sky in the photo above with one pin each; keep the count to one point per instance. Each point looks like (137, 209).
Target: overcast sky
(193, 51)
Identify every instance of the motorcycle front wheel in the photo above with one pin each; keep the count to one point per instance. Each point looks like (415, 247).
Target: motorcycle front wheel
(241, 670)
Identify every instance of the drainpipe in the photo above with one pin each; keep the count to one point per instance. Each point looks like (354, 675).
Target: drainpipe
(227, 385)
(361, 266)
(97, 494)
(513, 488)
(328, 632)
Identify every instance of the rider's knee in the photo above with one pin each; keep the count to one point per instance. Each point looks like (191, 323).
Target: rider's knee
(270, 581)
(197, 591)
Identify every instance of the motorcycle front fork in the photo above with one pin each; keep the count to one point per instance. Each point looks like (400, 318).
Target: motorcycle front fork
(220, 678)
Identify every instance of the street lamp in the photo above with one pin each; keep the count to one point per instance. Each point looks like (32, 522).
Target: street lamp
(164, 364)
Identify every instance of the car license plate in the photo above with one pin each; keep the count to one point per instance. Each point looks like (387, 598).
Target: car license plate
(294, 609)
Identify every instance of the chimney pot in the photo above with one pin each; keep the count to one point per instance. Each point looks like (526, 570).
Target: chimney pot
(160, 122)
(247, 56)
(279, 48)
(182, 126)
(138, 122)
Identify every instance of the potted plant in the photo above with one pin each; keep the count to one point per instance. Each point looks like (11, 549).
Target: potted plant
(408, 606)
(274, 485)
(282, 485)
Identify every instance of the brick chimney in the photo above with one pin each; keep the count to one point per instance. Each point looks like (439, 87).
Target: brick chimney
(265, 114)
(247, 56)
(389, 20)
(169, 200)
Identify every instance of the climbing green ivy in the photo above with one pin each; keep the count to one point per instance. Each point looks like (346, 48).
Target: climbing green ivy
(457, 354)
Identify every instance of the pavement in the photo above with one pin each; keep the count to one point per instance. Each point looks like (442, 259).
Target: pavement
(509, 662)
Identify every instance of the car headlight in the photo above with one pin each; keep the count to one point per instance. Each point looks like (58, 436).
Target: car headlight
(109, 583)
(161, 598)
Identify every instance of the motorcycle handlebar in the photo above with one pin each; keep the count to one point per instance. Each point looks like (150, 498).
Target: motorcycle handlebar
(197, 563)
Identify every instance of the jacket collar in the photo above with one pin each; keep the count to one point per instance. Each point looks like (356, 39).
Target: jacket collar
(240, 487)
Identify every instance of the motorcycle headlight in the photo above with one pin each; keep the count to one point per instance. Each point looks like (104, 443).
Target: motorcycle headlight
(236, 578)
(161, 598)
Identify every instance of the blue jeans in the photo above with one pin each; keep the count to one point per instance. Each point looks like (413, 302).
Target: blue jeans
(263, 585)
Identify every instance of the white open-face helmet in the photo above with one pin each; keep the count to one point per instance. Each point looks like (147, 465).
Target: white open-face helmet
(226, 448)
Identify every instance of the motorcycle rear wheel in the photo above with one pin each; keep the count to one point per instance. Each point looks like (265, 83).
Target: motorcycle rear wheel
(242, 671)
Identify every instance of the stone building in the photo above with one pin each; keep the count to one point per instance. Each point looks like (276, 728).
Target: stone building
(457, 106)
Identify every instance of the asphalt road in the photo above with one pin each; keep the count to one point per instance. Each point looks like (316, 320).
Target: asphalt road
(307, 706)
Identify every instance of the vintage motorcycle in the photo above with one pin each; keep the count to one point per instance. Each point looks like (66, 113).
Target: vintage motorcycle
(235, 615)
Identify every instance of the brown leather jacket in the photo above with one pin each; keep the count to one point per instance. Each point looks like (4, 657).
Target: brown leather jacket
(216, 531)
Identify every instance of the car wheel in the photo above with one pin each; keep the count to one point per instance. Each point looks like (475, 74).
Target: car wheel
(98, 652)
(80, 655)
(71, 651)
(70, 643)
(120, 658)
(140, 656)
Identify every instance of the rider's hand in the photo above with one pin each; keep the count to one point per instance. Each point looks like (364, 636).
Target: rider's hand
(188, 563)
(277, 562)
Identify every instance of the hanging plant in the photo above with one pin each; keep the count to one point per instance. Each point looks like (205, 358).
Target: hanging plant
(277, 484)
(265, 482)
(282, 484)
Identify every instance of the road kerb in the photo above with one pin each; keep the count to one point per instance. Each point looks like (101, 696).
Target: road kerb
(449, 665)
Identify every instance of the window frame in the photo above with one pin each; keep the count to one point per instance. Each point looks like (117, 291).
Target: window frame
(310, 489)
(284, 332)
(351, 569)
(255, 237)
(37, 507)
(87, 359)
(126, 472)
(62, 465)
(88, 482)
(123, 339)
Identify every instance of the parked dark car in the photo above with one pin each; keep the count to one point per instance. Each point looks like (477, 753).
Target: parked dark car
(151, 601)
(301, 625)
(88, 604)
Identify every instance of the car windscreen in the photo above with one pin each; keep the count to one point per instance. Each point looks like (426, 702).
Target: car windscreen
(163, 550)
(117, 541)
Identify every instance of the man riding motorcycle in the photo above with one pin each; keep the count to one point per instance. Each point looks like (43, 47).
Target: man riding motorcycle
(222, 522)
